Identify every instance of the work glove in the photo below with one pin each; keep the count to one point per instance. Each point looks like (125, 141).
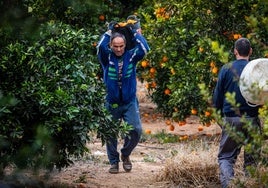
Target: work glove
(134, 22)
(111, 25)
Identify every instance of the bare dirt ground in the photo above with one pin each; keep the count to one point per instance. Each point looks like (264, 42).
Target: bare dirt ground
(148, 158)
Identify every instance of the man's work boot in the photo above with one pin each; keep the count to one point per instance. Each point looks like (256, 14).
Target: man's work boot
(126, 163)
(114, 169)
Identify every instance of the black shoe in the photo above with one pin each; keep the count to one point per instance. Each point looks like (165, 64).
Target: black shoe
(126, 163)
(114, 168)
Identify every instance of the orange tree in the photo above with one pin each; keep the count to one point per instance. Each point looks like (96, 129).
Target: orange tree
(50, 94)
(190, 41)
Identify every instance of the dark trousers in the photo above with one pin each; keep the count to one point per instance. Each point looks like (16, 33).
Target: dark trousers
(230, 148)
(130, 114)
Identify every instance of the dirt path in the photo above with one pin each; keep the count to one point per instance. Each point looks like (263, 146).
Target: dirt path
(148, 158)
(147, 162)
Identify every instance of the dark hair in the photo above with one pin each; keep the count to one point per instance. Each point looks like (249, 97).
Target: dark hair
(242, 46)
(116, 34)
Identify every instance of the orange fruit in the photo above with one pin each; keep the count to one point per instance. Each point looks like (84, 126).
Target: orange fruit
(185, 137)
(194, 111)
(237, 36)
(153, 84)
(146, 115)
(157, 11)
(207, 124)
(101, 17)
(152, 70)
(144, 63)
(168, 122)
(214, 70)
(148, 131)
(164, 58)
(94, 44)
(162, 10)
(201, 49)
(147, 85)
(207, 113)
(171, 127)
(200, 128)
(181, 123)
(212, 64)
(167, 91)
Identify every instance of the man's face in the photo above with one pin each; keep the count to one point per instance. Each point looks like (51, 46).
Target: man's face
(118, 46)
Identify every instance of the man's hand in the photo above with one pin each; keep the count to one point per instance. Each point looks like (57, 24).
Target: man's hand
(111, 25)
(134, 22)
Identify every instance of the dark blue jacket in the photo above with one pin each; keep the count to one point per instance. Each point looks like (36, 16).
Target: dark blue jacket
(109, 63)
(228, 79)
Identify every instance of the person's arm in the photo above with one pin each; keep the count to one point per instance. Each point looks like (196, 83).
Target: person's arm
(103, 48)
(218, 95)
(142, 47)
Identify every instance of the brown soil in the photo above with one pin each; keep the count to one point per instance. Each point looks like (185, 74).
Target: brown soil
(148, 158)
